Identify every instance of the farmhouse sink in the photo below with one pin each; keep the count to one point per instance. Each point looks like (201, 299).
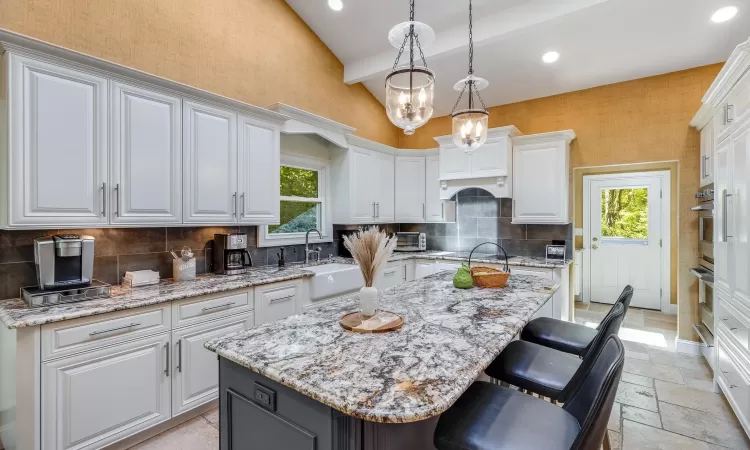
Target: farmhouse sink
(331, 280)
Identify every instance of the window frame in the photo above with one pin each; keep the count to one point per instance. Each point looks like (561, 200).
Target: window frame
(267, 239)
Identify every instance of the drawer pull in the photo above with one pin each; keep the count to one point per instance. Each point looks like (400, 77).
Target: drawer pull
(732, 329)
(125, 327)
(390, 273)
(166, 365)
(225, 305)
(179, 356)
(280, 299)
(731, 386)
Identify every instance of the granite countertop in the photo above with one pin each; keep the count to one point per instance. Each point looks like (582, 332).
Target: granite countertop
(15, 314)
(449, 337)
(525, 261)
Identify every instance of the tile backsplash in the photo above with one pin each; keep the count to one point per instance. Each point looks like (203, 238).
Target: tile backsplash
(480, 217)
(121, 249)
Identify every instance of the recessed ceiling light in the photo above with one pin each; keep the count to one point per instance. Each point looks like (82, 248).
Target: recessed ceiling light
(550, 57)
(335, 5)
(724, 14)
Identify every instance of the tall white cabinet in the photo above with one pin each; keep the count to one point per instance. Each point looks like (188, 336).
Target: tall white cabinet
(146, 164)
(540, 178)
(57, 144)
(728, 103)
(92, 144)
(410, 185)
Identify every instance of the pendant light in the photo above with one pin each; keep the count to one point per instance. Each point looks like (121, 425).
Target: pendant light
(409, 89)
(470, 125)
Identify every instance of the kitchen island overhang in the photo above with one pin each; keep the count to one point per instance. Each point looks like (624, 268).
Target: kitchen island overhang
(388, 386)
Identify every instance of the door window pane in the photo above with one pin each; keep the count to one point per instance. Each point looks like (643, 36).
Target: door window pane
(299, 182)
(625, 213)
(297, 217)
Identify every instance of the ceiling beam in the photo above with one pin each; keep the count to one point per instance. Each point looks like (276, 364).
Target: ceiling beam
(487, 29)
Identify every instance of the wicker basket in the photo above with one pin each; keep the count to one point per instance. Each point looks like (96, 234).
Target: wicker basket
(489, 277)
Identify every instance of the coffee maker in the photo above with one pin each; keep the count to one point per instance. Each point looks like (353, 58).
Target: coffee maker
(230, 254)
(64, 269)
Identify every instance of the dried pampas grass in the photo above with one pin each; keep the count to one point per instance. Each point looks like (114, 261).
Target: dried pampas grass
(371, 249)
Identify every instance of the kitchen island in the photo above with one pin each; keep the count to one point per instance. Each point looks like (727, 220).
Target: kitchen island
(305, 383)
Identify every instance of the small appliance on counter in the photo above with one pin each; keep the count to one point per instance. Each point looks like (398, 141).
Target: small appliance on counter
(64, 271)
(230, 254)
(555, 253)
(411, 242)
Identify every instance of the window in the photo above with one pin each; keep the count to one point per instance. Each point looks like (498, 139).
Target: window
(303, 203)
(625, 214)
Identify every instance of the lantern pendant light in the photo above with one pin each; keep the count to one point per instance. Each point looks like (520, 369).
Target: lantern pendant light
(470, 125)
(409, 89)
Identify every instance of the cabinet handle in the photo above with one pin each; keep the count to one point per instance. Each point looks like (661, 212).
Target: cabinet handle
(404, 273)
(104, 199)
(179, 356)
(730, 113)
(377, 210)
(390, 273)
(280, 299)
(725, 216)
(117, 199)
(242, 205)
(424, 214)
(442, 210)
(225, 305)
(373, 210)
(166, 366)
(234, 204)
(96, 333)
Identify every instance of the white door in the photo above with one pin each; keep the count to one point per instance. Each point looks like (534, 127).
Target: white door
(259, 168)
(410, 186)
(739, 229)
(423, 269)
(455, 163)
(58, 145)
(540, 183)
(362, 177)
(196, 370)
(146, 172)
(92, 399)
(434, 207)
(383, 188)
(209, 164)
(722, 208)
(626, 235)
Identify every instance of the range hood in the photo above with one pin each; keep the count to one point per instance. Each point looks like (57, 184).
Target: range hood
(489, 167)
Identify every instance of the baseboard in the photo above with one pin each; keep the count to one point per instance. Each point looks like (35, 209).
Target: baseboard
(688, 347)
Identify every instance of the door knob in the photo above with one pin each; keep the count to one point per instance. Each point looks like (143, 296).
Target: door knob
(595, 239)
(594, 247)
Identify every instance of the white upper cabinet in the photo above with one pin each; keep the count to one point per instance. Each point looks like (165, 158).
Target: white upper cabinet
(209, 164)
(57, 155)
(363, 186)
(410, 186)
(540, 178)
(146, 163)
(436, 209)
(383, 188)
(493, 159)
(739, 210)
(455, 163)
(722, 226)
(707, 154)
(259, 165)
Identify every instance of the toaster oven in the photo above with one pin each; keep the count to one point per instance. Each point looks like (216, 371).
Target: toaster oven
(411, 242)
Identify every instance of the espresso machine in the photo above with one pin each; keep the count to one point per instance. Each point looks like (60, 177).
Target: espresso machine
(230, 254)
(64, 271)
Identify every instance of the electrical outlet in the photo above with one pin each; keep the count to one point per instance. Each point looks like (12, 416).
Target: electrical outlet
(265, 397)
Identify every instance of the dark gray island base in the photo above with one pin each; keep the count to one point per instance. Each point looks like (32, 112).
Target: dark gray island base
(306, 383)
(292, 421)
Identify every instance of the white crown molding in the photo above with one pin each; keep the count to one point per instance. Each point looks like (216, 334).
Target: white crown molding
(493, 134)
(304, 122)
(565, 135)
(18, 43)
(703, 116)
(412, 152)
(371, 145)
(736, 66)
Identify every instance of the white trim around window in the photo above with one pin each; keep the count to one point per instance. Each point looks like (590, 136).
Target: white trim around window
(265, 239)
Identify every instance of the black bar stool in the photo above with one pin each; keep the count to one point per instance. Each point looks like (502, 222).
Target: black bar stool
(565, 336)
(491, 417)
(547, 371)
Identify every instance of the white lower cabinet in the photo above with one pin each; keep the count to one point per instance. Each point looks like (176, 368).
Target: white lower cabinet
(196, 374)
(278, 300)
(392, 275)
(423, 269)
(733, 376)
(92, 399)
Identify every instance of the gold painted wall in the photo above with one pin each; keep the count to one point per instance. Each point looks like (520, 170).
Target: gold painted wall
(637, 121)
(256, 51)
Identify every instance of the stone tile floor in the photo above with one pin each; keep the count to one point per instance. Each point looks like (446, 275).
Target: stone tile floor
(665, 400)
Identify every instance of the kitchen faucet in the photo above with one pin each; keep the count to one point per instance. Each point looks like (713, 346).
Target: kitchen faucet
(307, 246)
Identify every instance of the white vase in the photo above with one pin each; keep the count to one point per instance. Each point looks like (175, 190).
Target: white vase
(368, 301)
